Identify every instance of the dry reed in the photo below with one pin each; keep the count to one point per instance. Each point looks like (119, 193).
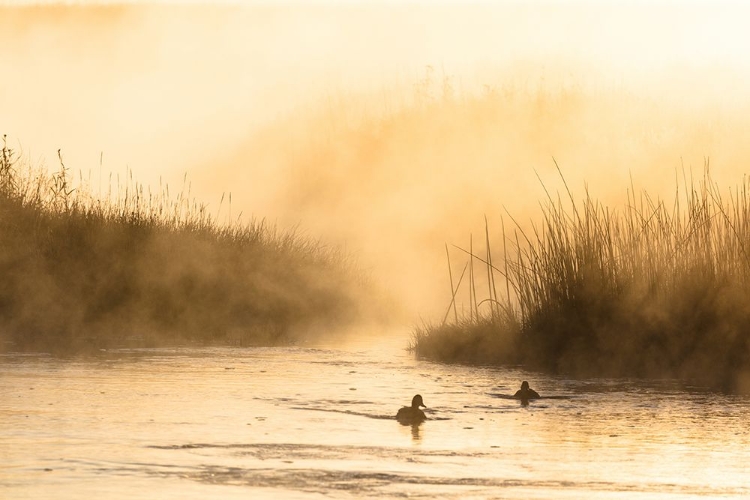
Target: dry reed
(145, 268)
(656, 289)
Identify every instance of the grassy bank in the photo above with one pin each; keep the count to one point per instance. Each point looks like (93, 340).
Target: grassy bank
(143, 268)
(656, 288)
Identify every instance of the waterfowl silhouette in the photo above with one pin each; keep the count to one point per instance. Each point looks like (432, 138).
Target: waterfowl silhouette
(526, 392)
(410, 415)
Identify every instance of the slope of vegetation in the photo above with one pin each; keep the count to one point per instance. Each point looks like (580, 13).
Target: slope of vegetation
(396, 172)
(655, 289)
(144, 269)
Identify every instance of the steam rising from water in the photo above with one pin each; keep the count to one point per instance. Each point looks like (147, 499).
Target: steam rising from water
(387, 129)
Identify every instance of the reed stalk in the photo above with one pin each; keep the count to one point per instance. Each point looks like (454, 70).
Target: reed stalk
(84, 272)
(655, 288)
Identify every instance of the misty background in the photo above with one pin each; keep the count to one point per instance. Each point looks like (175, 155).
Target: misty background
(388, 130)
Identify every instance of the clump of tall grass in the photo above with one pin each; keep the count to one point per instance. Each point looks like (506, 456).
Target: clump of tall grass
(654, 289)
(79, 271)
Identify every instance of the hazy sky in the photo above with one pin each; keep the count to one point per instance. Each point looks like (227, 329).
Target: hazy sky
(154, 88)
(169, 90)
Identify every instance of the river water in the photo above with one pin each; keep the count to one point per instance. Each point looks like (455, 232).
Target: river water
(316, 421)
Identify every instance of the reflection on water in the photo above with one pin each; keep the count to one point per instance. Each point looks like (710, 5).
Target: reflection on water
(304, 422)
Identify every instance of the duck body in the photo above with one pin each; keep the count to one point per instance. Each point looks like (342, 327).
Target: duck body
(408, 415)
(526, 392)
(530, 394)
(411, 415)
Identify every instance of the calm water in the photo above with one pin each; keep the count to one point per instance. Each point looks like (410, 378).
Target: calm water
(316, 422)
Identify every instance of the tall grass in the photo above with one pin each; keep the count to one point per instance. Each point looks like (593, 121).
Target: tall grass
(145, 268)
(656, 288)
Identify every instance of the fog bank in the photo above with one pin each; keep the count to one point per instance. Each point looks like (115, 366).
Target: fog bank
(386, 129)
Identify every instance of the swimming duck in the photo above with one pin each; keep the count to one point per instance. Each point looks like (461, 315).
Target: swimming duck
(410, 415)
(526, 393)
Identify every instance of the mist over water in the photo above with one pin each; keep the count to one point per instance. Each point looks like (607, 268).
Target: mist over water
(385, 129)
(233, 423)
(387, 133)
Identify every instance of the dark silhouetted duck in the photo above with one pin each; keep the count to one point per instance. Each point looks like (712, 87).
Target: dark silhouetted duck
(526, 392)
(410, 415)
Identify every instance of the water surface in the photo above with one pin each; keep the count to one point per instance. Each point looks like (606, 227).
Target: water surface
(317, 421)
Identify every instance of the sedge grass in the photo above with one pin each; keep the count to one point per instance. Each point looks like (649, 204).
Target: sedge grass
(656, 288)
(81, 272)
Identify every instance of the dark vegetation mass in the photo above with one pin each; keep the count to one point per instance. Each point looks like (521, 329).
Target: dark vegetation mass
(655, 289)
(138, 268)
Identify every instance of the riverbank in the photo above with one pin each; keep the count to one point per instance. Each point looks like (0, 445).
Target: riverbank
(146, 268)
(653, 289)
